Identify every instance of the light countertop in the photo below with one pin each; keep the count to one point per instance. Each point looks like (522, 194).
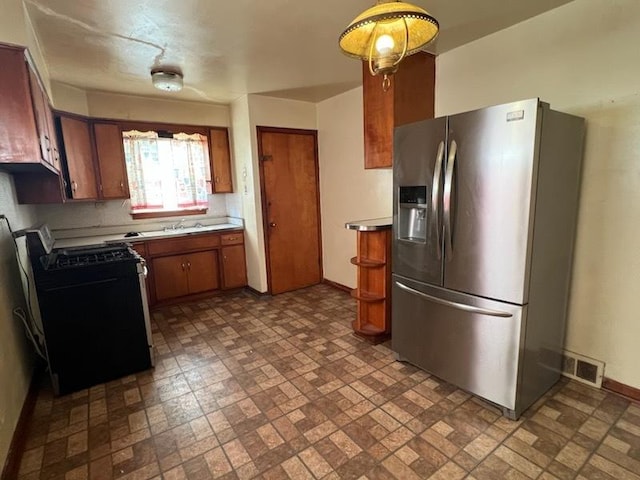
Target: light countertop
(98, 239)
(370, 225)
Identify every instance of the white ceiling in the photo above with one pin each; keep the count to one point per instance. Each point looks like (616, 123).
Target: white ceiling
(283, 48)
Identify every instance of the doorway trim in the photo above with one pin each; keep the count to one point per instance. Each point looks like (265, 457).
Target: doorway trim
(260, 129)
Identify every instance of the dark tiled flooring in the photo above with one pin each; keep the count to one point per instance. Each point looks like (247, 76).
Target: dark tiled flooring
(279, 388)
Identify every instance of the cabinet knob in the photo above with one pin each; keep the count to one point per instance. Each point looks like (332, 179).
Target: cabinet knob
(122, 186)
(189, 265)
(183, 266)
(272, 224)
(74, 185)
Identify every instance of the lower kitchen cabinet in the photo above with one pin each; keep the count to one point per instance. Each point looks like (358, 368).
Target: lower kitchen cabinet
(170, 277)
(234, 270)
(202, 271)
(186, 267)
(180, 275)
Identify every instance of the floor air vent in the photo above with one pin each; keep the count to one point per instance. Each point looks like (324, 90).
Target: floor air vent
(581, 368)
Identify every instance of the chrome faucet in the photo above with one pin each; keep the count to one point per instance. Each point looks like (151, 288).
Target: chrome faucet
(175, 226)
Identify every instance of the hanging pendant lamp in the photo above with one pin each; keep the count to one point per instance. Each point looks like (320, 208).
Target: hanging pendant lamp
(386, 33)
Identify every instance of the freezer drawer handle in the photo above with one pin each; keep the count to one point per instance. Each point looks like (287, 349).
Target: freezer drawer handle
(435, 193)
(460, 306)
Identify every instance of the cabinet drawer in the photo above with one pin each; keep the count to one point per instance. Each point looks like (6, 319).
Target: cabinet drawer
(183, 244)
(232, 238)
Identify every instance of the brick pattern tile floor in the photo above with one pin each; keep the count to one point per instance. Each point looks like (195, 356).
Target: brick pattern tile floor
(278, 388)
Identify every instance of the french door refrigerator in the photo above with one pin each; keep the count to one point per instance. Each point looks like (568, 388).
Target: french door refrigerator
(484, 216)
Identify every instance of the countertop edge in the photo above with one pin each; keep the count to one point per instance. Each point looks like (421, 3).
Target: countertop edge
(370, 225)
(120, 238)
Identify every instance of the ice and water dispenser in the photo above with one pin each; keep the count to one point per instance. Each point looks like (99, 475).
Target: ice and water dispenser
(412, 213)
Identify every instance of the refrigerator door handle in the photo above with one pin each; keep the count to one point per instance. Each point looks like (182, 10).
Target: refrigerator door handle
(435, 193)
(459, 306)
(446, 199)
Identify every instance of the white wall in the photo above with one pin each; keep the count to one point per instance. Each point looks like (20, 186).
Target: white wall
(69, 98)
(582, 58)
(347, 191)
(131, 107)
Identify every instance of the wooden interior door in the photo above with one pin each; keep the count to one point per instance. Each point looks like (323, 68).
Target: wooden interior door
(291, 207)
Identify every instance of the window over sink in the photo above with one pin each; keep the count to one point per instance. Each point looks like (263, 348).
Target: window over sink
(168, 173)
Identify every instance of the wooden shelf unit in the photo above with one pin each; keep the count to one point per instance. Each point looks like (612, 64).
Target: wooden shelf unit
(373, 293)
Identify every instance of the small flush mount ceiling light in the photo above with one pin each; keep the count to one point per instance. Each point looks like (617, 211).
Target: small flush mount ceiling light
(167, 79)
(386, 33)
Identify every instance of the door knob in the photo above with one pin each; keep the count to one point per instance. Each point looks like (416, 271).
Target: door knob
(272, 224)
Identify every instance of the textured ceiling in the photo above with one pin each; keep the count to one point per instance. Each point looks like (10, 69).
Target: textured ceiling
(283, 48)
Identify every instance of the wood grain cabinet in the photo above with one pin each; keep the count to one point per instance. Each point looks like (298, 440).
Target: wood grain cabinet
(28, 140)
(195, 265)
(220, 161)
(180, 275)
(77, 180)
(409, 99)
(373, 293)
(113, 182)
(78, 156)
(234, 269)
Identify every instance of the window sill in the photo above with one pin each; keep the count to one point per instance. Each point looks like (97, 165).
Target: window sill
(168, 213)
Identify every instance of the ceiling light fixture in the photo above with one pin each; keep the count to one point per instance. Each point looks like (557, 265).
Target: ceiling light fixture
(169, 80)
(386, 33)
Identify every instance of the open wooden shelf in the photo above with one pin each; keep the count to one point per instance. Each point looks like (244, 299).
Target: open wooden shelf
(368, 263)
(367, 296)
(369, 330)
(373, 293)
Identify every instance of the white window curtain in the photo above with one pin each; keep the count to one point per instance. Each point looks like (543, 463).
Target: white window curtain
(166, 173)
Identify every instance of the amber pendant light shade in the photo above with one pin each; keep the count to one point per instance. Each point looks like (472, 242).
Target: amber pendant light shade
(386, 33)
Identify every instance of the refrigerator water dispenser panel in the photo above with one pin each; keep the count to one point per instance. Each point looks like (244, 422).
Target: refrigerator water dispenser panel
(412, 221)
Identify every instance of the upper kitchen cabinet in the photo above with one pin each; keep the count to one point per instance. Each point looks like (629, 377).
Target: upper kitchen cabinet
(78, 155)
(111, 163)
(410, 98)
(220, 161)
(26, 126)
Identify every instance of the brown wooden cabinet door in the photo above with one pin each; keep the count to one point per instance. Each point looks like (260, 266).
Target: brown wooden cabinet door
(79, 157)
(19, 140)
(220, 161)
(170, 277)
(409, 99)
(378, 120)
(234, 269)
(40, 107)
(54, 153)
(203, 272)
(110, 156)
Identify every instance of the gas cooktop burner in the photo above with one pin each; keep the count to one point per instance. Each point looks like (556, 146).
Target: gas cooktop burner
(81, 257)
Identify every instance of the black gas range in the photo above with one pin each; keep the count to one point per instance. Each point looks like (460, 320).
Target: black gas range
(93, 308)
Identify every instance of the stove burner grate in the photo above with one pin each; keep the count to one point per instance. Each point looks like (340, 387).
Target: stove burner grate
(88, 256)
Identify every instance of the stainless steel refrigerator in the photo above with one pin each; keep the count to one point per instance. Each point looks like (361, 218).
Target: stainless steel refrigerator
(484, 218)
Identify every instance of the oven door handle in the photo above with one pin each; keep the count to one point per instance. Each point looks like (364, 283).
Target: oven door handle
(81, 284)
